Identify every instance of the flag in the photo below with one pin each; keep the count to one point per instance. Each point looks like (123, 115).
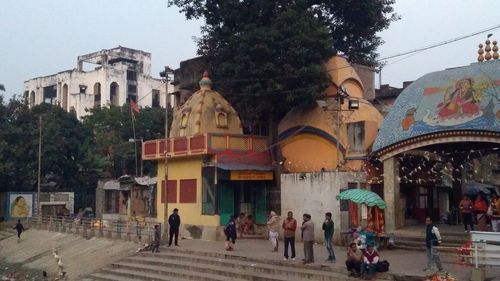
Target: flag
(133, 106)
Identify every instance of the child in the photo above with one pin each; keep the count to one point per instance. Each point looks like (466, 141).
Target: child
(20, 228)
(230, 232)
(156, 242)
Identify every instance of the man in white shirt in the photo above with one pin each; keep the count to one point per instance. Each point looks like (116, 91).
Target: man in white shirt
(432, 240)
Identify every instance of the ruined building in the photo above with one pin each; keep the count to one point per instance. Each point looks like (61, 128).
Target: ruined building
(107, 77)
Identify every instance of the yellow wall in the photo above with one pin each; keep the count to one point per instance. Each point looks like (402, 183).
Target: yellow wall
(309, 153)
(190, 213)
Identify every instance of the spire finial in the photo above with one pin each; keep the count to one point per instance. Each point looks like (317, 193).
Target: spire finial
(487, 50)
(480, 52)
(205, 82)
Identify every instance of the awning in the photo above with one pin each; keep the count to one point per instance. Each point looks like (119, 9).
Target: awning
(145, 180)
(243, 167)
(111, 185)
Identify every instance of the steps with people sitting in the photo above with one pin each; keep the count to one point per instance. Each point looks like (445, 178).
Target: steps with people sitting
(179, 264)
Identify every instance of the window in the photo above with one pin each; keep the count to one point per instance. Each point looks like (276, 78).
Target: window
(184, 120)
(208, 197)
(221, 120)
(187, 191)
(169, 193)
(356, 135)
(156, 98)
(220, 116)
(83, 89)
(131, 75)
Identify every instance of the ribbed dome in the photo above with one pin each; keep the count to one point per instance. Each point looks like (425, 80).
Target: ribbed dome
(206, 111)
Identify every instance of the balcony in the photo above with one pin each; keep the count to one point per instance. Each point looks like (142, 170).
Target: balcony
(227, 146)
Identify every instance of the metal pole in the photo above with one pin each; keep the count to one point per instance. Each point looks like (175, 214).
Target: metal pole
(39, 208)
(167, 96)
(339, 111)
(136, 158)
(142, 161)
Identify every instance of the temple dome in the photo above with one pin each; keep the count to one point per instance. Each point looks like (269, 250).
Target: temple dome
(206, 111)
(342, 74)
(459, 99)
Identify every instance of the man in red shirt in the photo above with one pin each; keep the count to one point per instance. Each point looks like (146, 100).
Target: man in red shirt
(289, 226)
(370, 260)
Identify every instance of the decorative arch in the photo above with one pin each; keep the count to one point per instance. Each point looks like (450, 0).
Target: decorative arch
(114, 90)
(64, 98)
(97, 94)
(32, 98)
(437, 138)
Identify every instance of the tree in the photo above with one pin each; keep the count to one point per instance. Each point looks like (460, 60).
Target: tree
(68, 161)
(268, 56)
(112, 130)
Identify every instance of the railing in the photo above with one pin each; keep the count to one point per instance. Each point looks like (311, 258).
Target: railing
(131, 230)
(203, 144)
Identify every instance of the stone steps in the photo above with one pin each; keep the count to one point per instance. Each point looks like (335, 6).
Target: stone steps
(6, 233)
(418, 243)
(180, 264)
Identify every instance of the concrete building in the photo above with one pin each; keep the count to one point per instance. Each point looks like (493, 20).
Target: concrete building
(107, 77)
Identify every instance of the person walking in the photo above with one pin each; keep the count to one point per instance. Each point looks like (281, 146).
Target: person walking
(432, 240)
(354, 260)
(289, 227)
(174, 221)
(273, 225)
(230, 232)
(308, 238)
(157, 238)
(19, 228)
(328, 232)
(466, 207)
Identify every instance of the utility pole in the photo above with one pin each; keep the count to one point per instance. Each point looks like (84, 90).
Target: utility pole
(39, 208)
(166, 74)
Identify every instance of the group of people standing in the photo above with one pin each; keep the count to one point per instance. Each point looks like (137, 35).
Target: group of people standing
(483, 212)
(289, 226)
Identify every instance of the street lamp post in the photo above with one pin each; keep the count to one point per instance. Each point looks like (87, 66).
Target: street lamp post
(353, 105)
(166, 73)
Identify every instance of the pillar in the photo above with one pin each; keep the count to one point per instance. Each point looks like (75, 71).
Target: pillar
(393, 217)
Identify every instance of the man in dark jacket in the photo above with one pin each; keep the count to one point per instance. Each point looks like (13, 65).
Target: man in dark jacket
(432, 240)
(19, 228)
(174, 220)
(328, 231)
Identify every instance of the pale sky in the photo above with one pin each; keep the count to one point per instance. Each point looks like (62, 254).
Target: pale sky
(43, 37)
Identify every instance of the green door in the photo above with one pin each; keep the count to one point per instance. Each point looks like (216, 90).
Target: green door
(226, 202)
(261, 204)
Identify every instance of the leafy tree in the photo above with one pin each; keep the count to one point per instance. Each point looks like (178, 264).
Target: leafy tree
(112, 130)
(68, 157)
(268, 56)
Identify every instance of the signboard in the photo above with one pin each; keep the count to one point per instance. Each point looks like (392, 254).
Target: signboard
(21, 205)
(251, 175)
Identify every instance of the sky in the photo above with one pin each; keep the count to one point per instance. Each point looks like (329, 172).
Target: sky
(43, 37)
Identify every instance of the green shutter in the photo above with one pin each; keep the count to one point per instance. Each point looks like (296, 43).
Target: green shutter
(261, 205)
(226, 202)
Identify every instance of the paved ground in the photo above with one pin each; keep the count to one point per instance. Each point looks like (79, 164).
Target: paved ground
(402, 261)
(82, 256)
